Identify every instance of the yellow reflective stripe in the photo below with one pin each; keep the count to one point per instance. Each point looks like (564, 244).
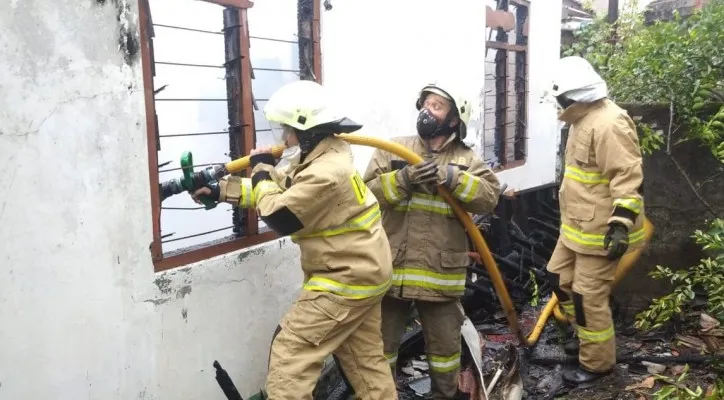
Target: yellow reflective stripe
(428, 279)
(445, 364)
(264, 187)
(596, 336)
(582, 176)
(359, 188)
(389, 187)
(391, 358)
(247, 195)
(568, 308)
(592, 239)
(467, 187)
(318, 284)
(359, 223)
(425, 202)
(629, 204)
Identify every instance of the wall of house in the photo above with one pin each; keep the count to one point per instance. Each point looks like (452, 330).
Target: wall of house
(84, 314)
(379, 73)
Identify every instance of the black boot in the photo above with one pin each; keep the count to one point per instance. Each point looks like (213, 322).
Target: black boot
(578, 376)
(571, 347)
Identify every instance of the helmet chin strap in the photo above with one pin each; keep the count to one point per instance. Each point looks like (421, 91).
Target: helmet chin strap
(564, 101)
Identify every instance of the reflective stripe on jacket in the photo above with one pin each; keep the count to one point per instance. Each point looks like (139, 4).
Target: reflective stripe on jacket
(333, 217)
(428, 243)
(603, 177)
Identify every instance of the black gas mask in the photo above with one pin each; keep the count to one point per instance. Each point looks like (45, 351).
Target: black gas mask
(428, 126)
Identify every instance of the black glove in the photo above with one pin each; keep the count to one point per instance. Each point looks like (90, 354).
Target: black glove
(199, 179)
(262, 158)
(617, 239)
(202, 178)
(213, 196)
(420, 174)
(215, 191)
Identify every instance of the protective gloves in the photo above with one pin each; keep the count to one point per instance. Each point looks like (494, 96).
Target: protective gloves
(450, 177)
(209, 190)
(262, 158)
(420, 174)
(616, 241)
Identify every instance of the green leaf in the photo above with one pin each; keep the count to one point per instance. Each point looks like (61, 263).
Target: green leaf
(664, 392)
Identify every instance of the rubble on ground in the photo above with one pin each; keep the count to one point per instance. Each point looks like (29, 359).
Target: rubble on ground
(509, 371)
(645, 363)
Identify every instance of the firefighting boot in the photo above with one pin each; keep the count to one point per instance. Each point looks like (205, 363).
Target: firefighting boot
(571, 347)
(579, 376)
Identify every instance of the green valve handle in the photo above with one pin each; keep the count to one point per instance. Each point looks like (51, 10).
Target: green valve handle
(187, 165)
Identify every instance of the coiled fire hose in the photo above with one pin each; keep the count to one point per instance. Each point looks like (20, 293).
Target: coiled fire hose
(177, 186)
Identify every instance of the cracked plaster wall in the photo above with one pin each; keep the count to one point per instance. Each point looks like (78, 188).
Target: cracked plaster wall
(83, 315)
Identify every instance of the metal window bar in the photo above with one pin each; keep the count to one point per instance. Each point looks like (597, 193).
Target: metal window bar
(221, 33)
(231, 132)
(170, 135)
(164, 260)
(180, 64)
(197, 234)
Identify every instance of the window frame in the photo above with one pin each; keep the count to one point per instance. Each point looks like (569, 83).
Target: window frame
(521, 126)
(252, 236)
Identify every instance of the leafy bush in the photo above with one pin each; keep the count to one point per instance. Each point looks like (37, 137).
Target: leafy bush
(707, 276)
(679, 62)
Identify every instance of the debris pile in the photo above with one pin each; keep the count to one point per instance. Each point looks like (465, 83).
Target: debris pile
(649, 365)
(522, 235)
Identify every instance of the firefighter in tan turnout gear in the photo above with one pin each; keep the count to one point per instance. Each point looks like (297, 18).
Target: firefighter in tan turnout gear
(602, 213)
(428, 243)
(322, 202)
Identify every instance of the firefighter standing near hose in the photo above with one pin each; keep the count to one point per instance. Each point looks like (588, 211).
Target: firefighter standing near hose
(321, 201)
(428, 243)
(602, 214)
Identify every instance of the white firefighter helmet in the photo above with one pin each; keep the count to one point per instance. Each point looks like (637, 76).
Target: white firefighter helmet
(460, 102)
(574, 73)
(304, 105)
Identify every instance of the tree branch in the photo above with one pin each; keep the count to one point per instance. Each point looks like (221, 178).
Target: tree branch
(693, 188)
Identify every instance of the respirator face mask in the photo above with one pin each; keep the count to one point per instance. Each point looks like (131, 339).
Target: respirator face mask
(429, 126)
(290, 157)
(292, 154)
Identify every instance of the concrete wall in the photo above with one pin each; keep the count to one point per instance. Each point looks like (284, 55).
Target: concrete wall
(84, 316)
(674, 210)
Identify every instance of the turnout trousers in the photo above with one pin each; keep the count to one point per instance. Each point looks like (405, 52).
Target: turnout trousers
(441, 325)
(320, 324)
(583, 285)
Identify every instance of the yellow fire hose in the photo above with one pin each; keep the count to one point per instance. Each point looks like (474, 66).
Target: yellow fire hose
(481, 247)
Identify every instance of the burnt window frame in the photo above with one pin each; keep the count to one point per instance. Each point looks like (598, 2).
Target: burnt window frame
(520, 50)
(241, 104)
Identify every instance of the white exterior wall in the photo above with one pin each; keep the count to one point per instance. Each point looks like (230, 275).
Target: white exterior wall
(83, 314)
(378, 54)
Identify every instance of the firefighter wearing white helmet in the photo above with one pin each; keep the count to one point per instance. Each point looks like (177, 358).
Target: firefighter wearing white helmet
(602, 213)
(428, 244)
(323, 204)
